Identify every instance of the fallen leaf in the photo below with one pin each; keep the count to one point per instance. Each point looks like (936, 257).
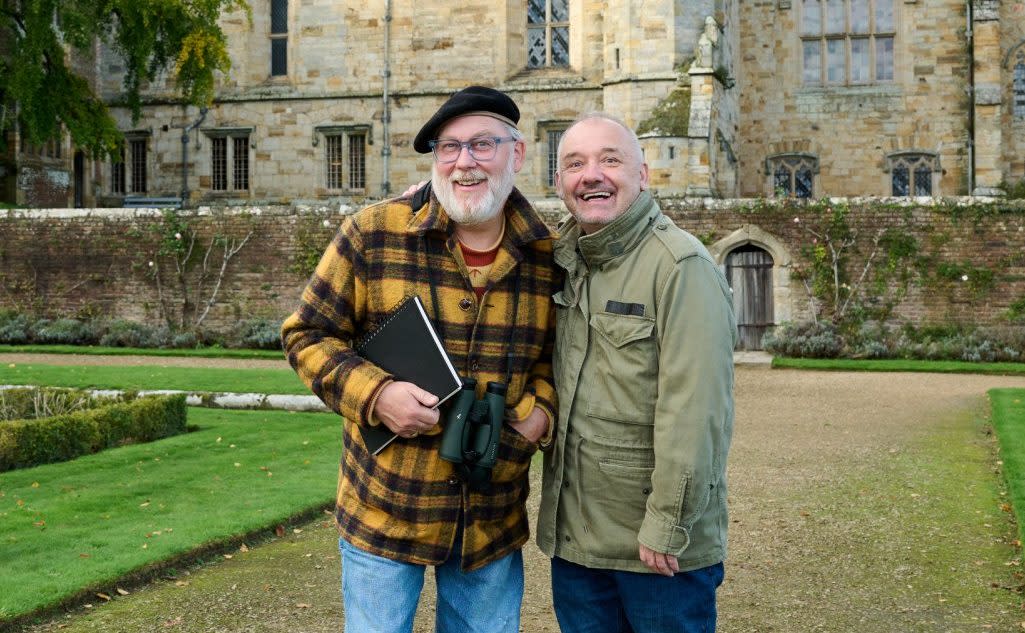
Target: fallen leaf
(263, 468)
(218, 440)
(88, 606)
(122, 592)
(228, 556)
(243, 549)
(145, 546)
(174, 622)
(237, 464)
(181, 583)
(297, 530)
(103, 596)
(231, 446)
(84, 555)
(35, 484)
(302, 605)
(280, 530)
(144, 504)
(1006, 507)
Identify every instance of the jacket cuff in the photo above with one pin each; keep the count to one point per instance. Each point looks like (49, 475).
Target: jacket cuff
(371, 418)
(523, 408)
(663, 537)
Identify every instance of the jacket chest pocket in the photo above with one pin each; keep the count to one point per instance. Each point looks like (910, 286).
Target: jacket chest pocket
(625, 367)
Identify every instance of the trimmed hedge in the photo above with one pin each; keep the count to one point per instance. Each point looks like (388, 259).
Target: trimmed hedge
(25, 443)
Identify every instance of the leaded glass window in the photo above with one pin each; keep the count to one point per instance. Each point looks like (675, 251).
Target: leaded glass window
(1019, 88)
(547, 33)
(793, 175)
(847, 42)
(346, 156)
(117, 173)
(554, 136)
(279, 38)
(138, 152)
(911, 173)
(229, 160)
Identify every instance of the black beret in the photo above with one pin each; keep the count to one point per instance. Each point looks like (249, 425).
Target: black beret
(472, 100)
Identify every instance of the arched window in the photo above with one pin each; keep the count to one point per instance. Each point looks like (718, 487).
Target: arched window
(792, 175)
(1019, 87)
(912, 173)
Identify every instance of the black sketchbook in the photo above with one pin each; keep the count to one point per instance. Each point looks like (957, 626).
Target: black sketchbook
(405, 345)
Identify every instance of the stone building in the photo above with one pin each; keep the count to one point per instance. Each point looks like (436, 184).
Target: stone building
(768, 97)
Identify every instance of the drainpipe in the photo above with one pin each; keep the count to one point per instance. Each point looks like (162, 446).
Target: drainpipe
(386, 115)
(970, 35)
(185, 153)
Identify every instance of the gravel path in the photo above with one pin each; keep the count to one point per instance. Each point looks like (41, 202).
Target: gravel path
(862, 502)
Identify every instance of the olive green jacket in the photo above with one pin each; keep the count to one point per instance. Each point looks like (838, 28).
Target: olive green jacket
(644, 376)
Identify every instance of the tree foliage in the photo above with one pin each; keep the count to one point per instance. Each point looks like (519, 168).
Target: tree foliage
(41, 91)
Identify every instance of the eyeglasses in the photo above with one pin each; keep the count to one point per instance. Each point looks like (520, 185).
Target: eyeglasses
(482, 149)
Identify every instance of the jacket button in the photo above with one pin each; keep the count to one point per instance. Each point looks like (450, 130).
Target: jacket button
(465, 304)
(647, 491)
(567, 537)
(661, 227)
(565, 484)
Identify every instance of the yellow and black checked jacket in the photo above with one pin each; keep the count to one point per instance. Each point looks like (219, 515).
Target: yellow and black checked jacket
(405, 502)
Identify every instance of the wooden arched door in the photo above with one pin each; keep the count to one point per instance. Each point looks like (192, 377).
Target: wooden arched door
(749, 272)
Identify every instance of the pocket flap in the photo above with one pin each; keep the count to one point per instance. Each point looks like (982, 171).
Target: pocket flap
(620, 329)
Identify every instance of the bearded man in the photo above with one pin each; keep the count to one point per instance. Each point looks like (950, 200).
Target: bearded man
(480, 258)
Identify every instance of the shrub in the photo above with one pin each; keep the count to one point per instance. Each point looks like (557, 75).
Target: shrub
(805, 340)
(122, 333)
(25, 443)
(259, 334)
(14, 328)
(64, 332)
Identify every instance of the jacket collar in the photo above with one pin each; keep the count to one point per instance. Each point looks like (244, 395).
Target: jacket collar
(612, 240)
(523, 225)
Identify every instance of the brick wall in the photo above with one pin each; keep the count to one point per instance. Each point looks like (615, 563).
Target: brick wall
(68, 262)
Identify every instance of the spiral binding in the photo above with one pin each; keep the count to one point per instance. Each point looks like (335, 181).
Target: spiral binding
(364, 340)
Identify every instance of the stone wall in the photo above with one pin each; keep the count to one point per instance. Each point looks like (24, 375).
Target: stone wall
(64, 262)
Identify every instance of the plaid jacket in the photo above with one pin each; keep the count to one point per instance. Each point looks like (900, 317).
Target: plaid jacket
(405, 502)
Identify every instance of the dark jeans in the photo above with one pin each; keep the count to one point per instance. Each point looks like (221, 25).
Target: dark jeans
(607, 601)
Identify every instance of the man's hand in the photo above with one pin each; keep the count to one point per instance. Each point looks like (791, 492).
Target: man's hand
(534, 426)
(665, 564)
(406, 409)
(413, 189)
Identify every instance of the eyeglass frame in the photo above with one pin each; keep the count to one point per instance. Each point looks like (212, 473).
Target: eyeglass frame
(433, 144)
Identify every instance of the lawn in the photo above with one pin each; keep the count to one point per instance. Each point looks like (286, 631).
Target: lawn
(1009, 422)
(98, 350)
(79, 526)
(270, 381)
(938, 366)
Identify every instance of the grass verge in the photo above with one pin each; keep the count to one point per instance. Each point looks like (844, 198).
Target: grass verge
(271, 381)
(936, 366)
(1009, 423)
(97, 350)
(79, 526)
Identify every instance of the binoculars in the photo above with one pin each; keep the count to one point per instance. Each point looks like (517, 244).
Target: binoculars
(473, 429)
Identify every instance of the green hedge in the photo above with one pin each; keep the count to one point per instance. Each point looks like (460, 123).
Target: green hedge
(25, 443)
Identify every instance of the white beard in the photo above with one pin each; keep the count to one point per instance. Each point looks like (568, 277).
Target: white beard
(481, 208)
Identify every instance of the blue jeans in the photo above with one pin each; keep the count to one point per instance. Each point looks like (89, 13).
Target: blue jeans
(608, 601)
(380, 595)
